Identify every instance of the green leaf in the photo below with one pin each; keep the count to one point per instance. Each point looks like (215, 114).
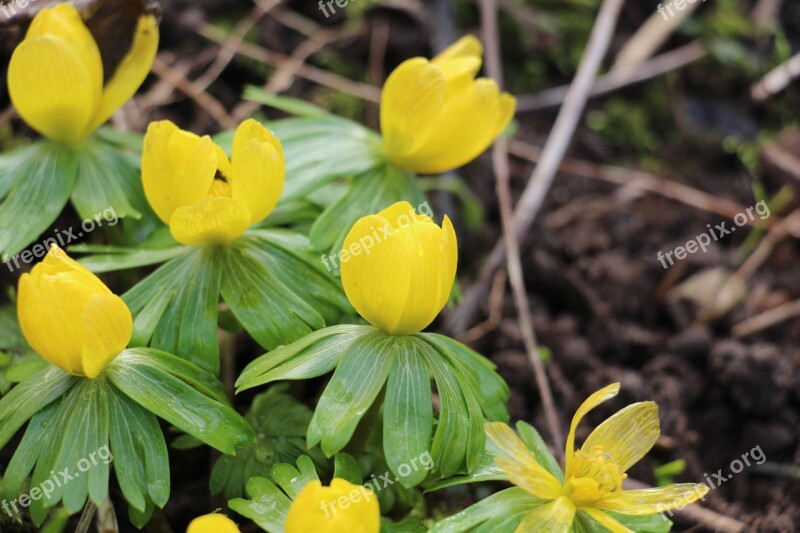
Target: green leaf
(30, 397)
(319, 150)
(292, 480)
(312, 356)
(186, 325)
(292, 106)
(172, 399)
(111, 258)
(359, 377)
(539, 449)
(498, 507)
(46, 176)
(269, 310)
(347, 468)
(141, 462)
(11, 337)
(370, 192)
(100, 186)
(267, 506)
(407, 413)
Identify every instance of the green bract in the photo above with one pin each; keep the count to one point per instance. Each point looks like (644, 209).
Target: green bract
(369, 363)
(71, 418)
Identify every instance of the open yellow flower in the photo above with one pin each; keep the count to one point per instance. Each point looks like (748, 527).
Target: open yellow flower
(594, 473)
(70, 317)
(340, 508)
(56, 79)
(206, 199)
(399, 268)
(212, 523)
(435, 116)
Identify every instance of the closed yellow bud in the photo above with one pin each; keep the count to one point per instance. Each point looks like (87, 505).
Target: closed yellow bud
(340, 508)
(70, 317)
(435, 116)
(398, 268)
(55, 77)
(206, 199)
(212, 523)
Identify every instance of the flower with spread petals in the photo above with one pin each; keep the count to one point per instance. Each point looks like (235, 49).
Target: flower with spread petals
(594, 473)
(340, 508)
(212, 523)
(435, 116)
(56, 79)
(206, 199)
(70, 317)
(399, 268)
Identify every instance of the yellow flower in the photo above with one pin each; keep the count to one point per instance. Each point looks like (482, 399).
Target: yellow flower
(206, 199)
(398, 268)
(56, 78)
(594, 473)
(340, 508)
(435, 116)
(212, 523)
(70, 317)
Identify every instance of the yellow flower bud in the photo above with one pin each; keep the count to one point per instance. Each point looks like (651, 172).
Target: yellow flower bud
(398, 268)
(55, 77)
(435, 116)
(212, 523)
(70, 317)
(340, 508)
(206, 199)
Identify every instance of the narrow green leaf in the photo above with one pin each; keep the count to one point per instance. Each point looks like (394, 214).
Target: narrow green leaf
(292, 106)
(116, 258)
(30, 397)
(166, 396)
(513, 501)
(346, 467)
(267, 506)
(47, 173)
(99, 187)
(538, 447)
(407, 413)
(292, 480)
(359, 377)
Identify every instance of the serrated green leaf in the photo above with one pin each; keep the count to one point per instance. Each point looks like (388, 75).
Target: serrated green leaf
(267, 506)
(292, 480)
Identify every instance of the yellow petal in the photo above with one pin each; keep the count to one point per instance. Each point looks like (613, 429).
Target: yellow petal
(398, 268)
(212, 523)
(606, 393)
(468, 124)
(342, 507)
(51, 88)
(606, 520)
(468, 46)
(210, 222)
(108, 326)
(64, 22)
(657, 500)
(627, 435)
(70, 317)
(519, 465)
(553, 517)
(178, 168)
(411, 100)
(259, 169)
(131, 72)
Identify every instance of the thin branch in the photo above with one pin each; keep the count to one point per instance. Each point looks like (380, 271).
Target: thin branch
(554, 150)
(619, 78)
(767, 319)
(516, 276)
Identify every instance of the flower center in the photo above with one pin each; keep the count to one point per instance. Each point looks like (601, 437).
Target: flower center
(220, 186)
(596, 476)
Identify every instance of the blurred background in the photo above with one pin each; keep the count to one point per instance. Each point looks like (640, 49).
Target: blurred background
(692, 120)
